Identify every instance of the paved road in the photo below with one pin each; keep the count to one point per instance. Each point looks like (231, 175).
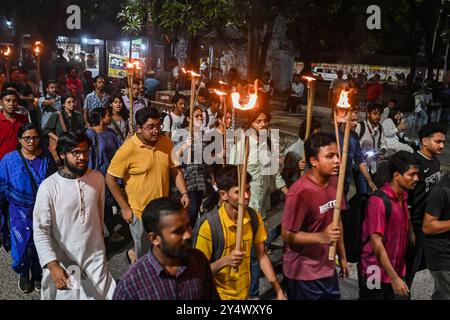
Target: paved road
(422, 288)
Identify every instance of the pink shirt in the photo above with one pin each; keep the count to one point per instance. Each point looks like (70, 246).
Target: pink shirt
(308, 208)
(395, 233)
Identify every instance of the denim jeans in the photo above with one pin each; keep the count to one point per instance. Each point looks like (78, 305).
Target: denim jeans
(196, 201)
(360, 182)
(422, 118)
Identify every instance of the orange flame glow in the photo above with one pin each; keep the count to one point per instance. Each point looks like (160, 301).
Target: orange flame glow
(192, 73)
(309, 78)
(343, 100)
(7, 52)
(37, 50)
(253, 98)
(220, 93)
(133, 65)
(224, 83)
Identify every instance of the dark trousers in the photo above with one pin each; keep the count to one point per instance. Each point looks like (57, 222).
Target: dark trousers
(384, 293)
(196, 202)
(255, 270)
(360, 182)
(292, 103)
(415, 259)
(320, 289)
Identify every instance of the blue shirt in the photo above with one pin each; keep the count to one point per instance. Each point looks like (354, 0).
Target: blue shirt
(92, 101)
(355, 156)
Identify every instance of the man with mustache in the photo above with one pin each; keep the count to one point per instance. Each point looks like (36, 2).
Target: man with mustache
(68, 225)
(172, 269)
(432, 141)
(307, 229)
(386, 231)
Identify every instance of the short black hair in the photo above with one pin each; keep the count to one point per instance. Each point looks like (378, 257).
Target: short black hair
(99, 77)
(70, 140)
(9, 93)
(375, 106)
(156, 209)
(401, 162)
(64, 99)
(315, 124)
(10, 84)
(176, 97)
(49, 82)
(227, 178)
(146, 113)
(96, 115)
(26, 127)
(315, 142)
(431, 128)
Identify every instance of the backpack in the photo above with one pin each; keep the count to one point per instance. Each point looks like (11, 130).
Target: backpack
(363, 130)
(218, 240)
(352, 221)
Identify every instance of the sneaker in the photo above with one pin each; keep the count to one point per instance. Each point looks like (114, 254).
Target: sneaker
(25, 284)
(115, 238)
(37, 285)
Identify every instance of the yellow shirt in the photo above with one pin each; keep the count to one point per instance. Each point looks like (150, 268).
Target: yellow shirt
(232, 285)
(144, 170)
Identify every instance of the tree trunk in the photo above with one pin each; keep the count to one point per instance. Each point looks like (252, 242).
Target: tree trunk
(251, 37)
(265, 48)
(193, 53)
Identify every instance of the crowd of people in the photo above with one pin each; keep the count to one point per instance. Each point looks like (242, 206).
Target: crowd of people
(73, 170)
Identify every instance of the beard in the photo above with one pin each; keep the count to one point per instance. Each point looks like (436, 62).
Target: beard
(74, 169)
(182, 252)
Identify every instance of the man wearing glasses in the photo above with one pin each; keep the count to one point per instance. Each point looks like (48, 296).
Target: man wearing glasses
(68, 225)
(144, 162)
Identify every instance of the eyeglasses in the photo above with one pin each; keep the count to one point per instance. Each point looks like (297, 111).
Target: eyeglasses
(28, 138)
(78, 153)
(152, 127)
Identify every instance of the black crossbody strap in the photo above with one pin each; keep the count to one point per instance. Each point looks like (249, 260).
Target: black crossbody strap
(33, 181)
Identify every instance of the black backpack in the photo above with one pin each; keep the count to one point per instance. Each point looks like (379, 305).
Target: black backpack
(218, 240)
(352, 221)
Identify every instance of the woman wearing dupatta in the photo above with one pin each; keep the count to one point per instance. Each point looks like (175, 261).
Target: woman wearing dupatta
(21, 173)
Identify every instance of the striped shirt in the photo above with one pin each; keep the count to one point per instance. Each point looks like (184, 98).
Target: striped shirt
(147, 279)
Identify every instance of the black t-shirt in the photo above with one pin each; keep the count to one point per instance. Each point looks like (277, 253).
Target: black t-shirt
(429, 175)
(437, 247)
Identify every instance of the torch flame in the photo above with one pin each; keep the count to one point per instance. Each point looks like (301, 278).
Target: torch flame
(235, 97)
(37, 50)
(192, 73)
(133, 65)
(224, 83)
(309, 78)
(7, 52)
(37, 43)
(343, 100)
(220, 93)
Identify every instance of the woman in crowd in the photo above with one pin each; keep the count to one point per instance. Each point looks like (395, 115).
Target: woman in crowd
(63, 121)
(392, 127)
(196, 172)
(120, 116)
(21, 173)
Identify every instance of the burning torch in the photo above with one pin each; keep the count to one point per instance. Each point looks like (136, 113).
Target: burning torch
(37, 52)
(223, 102)
(343, 115)
(7, 56)
(132, 66)
(242, 169)
(309, 110)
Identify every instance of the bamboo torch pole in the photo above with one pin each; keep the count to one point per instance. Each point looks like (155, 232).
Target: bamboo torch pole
(309, 109)
(346, 110)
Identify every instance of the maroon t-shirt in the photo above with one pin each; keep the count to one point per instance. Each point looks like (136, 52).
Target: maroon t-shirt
(309, 208)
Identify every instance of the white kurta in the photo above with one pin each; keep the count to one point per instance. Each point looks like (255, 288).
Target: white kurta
(68, 223)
